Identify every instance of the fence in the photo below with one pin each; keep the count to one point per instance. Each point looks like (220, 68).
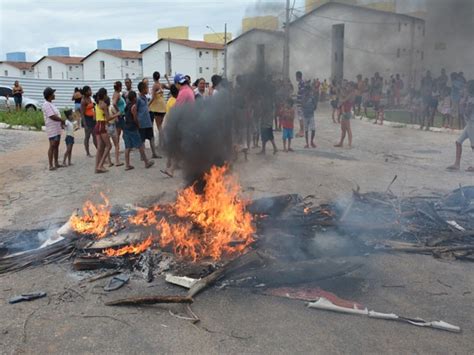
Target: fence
(33, 88)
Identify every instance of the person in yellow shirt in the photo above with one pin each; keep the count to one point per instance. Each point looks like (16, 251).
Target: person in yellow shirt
(169, 105)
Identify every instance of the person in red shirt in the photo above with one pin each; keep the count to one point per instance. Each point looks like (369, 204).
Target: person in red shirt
(287, 118)
(186, 93)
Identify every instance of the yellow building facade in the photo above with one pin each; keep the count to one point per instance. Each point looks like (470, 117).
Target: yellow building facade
(260, 22)
(217, 37)
(179, 32)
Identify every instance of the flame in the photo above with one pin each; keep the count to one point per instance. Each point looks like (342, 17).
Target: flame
(95, 219)
(213, 224)
(145, 216)
(130, 249)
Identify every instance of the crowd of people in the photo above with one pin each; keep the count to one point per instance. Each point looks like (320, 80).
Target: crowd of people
(256, 114)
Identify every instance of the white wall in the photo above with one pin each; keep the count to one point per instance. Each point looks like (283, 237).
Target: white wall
(242, 53)
(13, 71)
(58, 70)
(75, 72)
(132, 68)
(371, 43)
(113, 67)
(196, 63)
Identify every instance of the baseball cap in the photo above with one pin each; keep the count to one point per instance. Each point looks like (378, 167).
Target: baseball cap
(48, 92)
(179, 79)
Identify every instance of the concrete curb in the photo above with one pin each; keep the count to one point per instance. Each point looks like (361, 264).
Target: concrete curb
(4, 125)
(412, 126)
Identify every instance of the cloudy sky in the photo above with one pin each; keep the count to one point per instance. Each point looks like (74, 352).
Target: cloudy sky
(33, 26)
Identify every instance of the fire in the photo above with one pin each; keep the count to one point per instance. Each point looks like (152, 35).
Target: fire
(130, 249)
(210, 225)
(145, 217)
(95, 219)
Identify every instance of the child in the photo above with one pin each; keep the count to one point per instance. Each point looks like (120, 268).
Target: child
(308, 106)
(347, 98)
(131, 135)
(445, 108)
(287, 118)
(266, 126)
(69, 128)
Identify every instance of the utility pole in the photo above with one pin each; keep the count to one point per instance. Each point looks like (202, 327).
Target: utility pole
(286, 47)
(225, 50)
(168, 68)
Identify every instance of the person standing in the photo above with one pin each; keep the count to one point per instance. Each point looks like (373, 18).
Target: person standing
(17, 95)
(200, 91)
(53, 124)
(347, 99)
(186, 93)
(299, 97)
(77, 98)
(308, 106)
(118, 102)
(145, 124)
(131, 136)
(88, 118)
(103, 140)
(157, 105)
(128, 88)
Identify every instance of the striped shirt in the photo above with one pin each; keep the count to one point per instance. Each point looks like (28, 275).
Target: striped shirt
(53, 128)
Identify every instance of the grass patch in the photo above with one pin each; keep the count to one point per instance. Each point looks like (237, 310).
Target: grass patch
(23, 118)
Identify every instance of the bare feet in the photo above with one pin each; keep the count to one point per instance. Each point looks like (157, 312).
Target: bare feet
(127, 168)
(101, 171)
(306, 146)
(52, 168)
(290, 150)
(313, 145)
(338, 145)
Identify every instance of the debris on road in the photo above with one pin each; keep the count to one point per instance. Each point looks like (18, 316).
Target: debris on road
(325, 304)
(27, 297)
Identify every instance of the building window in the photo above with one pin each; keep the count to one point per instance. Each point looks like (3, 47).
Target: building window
(207, 52)
(207, 68)
(399, 27)
(126, 63)
(6, 72)
(398, 53)
(50, 72)
(133, 61)
(200, 70)
(423, 31)
(335, 57)
(200, 54)
(422, 55)
(70, 68)
(126, 76)
(102, 69)
(24, 72)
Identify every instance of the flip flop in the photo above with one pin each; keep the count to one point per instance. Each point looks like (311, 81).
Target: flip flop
(129, 168)
(470, 169)
(120, 164)
(116, 282)
(52, 168)
(452, 168)
(149, 165)
(101, 171)
(166, 173)
(27, 297)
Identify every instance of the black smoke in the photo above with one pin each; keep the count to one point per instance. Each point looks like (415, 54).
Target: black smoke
(198, 136)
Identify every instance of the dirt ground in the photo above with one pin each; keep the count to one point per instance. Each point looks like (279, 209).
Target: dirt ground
(73, 319)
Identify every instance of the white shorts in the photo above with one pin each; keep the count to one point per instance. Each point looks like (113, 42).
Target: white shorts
(467, 133)
(309, 124)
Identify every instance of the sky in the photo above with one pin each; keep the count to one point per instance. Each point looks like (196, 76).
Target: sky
(32, 26)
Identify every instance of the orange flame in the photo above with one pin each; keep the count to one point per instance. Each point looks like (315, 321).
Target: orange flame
(145, 217)
(216, 223)
(130, 249)
(95, 219)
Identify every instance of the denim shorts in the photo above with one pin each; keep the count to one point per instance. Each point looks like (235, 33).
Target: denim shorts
(55, 138)
(132, 139)
(69, 140)
(288, 133)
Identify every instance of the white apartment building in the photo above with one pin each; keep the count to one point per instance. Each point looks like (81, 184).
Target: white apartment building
(194, 58)
(17, 69)
(108, 64)
(58, 67)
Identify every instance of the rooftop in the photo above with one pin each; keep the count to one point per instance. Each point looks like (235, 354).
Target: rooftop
(189, 43)
(116, 53)
(19, 65)
(62, 59)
